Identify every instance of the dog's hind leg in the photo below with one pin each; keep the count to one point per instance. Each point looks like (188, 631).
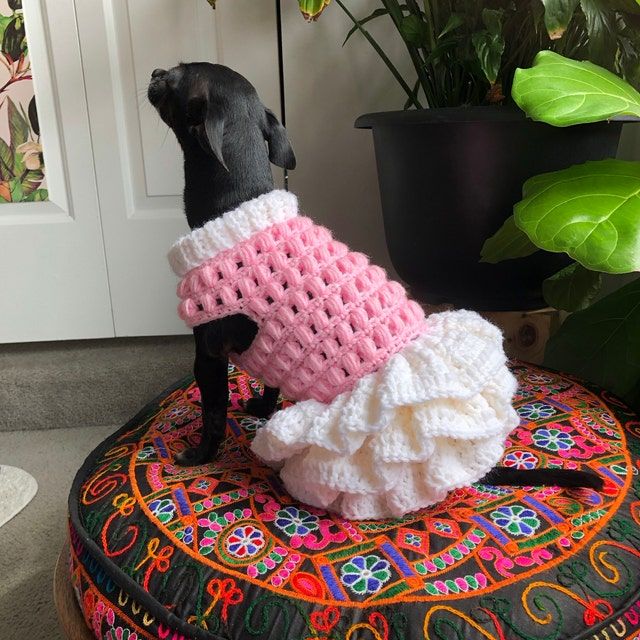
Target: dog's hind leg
(211, 377)
(263, 407)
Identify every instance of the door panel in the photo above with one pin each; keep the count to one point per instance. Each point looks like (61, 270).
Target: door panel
(138, 162)
(54, 280)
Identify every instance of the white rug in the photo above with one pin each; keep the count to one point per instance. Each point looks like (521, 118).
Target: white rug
(17, 489)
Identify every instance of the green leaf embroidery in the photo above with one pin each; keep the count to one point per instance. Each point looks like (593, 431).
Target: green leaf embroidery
(572, 289)
(507, 243)
(602, 343)
(564, 92)
(590, 211)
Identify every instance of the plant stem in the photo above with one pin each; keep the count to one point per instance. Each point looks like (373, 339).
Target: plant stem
(396, 74)
(395, 11)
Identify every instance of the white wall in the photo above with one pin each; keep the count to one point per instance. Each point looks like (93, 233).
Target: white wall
(327, 88)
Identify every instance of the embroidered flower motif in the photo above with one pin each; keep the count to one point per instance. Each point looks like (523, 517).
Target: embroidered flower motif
(146, 452)
(365, 574)
(294, 521)
(163, 509)
(535, 411)
(245, 541)
(176, 412)
(251, 424)
(520, 460)
(186, 535)
(203, 484)
(121, 634)
(516, 519)
(442, 527)
(412, 539)
(538, 378)
(553, 439)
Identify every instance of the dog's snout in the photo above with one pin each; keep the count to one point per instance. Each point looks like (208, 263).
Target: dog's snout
(157, 73)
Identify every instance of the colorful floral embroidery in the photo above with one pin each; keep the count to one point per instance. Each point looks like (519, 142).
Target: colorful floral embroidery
(517, 520)
(294, 521)
(553, 439)
(245, 541)
(536, 411)
(365, 574)
(520, 460)
(224, 550)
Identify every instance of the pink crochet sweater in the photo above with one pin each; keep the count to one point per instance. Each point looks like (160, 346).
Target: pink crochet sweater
(393, 409)
(326, 316)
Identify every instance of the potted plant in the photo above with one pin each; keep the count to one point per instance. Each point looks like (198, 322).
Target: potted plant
(452, 162)
(588, 212)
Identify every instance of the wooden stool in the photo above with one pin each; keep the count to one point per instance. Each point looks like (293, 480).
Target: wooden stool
(69, 615)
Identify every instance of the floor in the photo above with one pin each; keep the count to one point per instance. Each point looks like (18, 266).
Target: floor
(31, 542)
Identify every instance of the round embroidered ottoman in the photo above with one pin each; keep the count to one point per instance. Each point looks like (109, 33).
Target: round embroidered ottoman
(221, 551)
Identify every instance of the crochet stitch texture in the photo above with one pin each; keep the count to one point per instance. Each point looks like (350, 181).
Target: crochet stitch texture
(393, 409)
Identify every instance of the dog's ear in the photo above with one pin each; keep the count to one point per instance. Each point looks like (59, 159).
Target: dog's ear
(207, 124)
(280, 150)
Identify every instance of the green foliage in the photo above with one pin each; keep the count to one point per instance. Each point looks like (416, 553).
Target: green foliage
(489, 43)
(590, 211)
(507, 243)
(572, 289)
(602, 343)
(563, 92)
(466, 52)
(558, 15)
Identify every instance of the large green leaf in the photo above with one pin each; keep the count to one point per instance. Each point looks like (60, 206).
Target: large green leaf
(18, 125)
(489, 43)
(6, 161)
(590, 211)
(602, 343)
(572, 289)
(507, 243)
(557, 15)
(564, 92)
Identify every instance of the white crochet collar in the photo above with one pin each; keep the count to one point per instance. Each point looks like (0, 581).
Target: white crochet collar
(224, 232)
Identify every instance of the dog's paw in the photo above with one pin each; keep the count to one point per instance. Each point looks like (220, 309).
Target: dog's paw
(259, 408)
(192, 457)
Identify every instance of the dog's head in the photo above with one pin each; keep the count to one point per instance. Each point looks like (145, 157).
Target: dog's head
(202, 101)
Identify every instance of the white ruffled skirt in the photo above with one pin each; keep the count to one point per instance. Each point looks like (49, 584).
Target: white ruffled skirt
(433, 418)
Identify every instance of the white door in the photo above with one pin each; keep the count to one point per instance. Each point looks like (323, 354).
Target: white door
(138, 163)
(53, 279)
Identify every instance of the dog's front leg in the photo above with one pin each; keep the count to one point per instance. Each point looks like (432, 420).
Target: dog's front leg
(211, 377)
(263, 407)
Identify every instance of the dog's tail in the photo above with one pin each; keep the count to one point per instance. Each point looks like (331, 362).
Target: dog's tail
(499, 476)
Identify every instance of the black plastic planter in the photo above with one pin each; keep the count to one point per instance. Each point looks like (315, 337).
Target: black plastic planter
(448, 180)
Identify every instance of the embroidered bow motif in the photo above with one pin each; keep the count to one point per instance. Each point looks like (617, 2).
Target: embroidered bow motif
(597, 611)
(224, 591)
(160, 560)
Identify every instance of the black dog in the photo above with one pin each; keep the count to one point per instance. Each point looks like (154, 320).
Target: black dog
(229, 138)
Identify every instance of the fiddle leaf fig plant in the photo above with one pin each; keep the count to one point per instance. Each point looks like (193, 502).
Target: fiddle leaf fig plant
(565, 92)
(591, 212)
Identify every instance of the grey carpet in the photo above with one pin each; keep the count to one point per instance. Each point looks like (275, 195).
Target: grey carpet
(31, 542)
(86, 382)
(17, 489)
